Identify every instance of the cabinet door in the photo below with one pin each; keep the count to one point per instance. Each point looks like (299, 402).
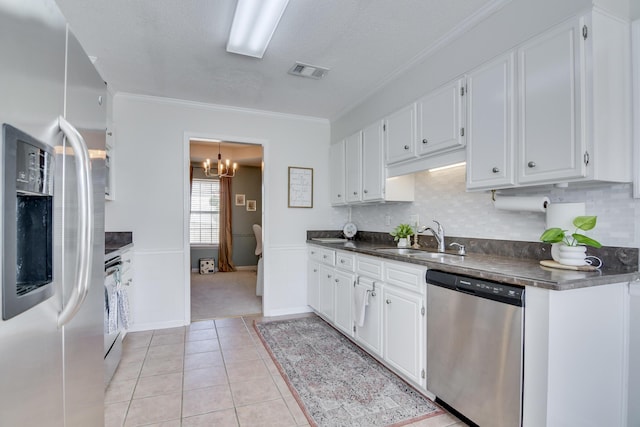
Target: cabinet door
(343, 293)
(353, 167)
(337, 172)
(440, 119)
(490, 125)
(550, 142)
(327, 292)
(400, 134)
(313, 284)
(403, 332)
(370, 334)
(372, 166)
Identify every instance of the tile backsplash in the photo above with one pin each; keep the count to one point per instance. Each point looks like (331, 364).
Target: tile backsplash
(441, 195)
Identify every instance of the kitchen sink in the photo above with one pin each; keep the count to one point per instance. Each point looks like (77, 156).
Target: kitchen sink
(420, 254)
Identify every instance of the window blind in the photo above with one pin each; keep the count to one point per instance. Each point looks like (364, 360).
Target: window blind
(204, 223)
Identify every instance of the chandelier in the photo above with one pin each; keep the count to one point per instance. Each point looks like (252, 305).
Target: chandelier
(223, 170)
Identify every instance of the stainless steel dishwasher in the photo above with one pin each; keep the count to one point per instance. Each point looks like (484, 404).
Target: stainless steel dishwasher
(474, 347)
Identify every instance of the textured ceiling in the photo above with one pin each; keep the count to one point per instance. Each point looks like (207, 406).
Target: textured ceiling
(176, 48)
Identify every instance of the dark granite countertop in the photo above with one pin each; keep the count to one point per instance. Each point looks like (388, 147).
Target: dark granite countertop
(515, 270)
(116, 242)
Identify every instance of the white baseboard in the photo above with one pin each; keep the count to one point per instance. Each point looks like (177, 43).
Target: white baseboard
(288, 311)
(155, 325)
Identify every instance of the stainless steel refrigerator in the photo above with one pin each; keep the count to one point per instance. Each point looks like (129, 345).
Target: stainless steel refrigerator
(51, 335)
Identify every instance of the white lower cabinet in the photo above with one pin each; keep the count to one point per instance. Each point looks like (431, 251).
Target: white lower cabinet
(369, 335)
(394, 324)
(343, 283)
(327, 294)
(403, 332)
(313, 284)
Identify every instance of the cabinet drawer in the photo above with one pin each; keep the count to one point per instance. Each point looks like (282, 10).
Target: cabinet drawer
(127, 261)
(345, 261)
(369, 266)
(325, 256)
(405, 276)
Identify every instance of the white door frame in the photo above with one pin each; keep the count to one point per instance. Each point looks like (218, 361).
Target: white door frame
(186, 161)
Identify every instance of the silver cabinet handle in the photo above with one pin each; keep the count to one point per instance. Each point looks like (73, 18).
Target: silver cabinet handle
(355, 193)
(495, 170)
(337, 280)
(328, 276)
(531, 164)
(406, 147)
(339, 195)
(424, 141)
(84, 246)
(341, 261)
(365, 191)
(315, 270)
(128, 282)
(388, 301)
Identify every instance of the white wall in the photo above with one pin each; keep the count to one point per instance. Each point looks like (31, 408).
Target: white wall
(151, 158)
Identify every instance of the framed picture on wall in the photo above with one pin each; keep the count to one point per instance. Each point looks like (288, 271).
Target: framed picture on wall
(239, 199)
(251, 205)
(300, 187)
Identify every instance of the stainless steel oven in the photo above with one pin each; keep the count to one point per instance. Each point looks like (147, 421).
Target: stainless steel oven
(112, 329)
(27, 221)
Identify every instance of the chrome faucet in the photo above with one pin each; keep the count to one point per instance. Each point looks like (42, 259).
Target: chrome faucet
(438, 234)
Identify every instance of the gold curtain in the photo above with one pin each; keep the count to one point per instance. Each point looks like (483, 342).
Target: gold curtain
(226, 241)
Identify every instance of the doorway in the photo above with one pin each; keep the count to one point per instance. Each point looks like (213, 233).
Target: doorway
(232, 290)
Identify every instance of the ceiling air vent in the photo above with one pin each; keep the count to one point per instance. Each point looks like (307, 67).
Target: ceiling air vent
(306, 70)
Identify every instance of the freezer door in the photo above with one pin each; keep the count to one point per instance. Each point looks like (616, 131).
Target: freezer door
(83, 335)
(32, 48)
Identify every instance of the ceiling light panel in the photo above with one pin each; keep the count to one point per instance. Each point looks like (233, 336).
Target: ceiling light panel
(254, 23)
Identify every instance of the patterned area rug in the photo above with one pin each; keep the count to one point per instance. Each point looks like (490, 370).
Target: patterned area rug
(338, 383)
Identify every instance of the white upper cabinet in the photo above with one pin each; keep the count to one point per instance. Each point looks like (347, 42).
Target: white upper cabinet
(571, 119)
(550, 141)
(372, 165)
(490, 124)
(353, 167)
(337, 172)
(400, 134)
(440, 119)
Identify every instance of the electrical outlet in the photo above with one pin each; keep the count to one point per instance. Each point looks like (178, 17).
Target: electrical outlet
(387, 220)
(414, 219)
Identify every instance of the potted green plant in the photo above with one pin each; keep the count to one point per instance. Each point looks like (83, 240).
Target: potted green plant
(570, 249)
(401, 233)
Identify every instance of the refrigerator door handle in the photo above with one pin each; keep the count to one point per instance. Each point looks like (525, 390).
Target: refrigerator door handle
(84, 250)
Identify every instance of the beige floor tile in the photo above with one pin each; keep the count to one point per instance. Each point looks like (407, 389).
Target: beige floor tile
(236, 342)
(246, 371)
(165, 351)
(231, 331)
(154, 409)
(170, 423)
(265, 414)
(192, 347)
(167, 339)
(127, 371)
(119, 391)
(133, 355)
(281, 384)
(296, 411)
(115, 413)
(180, 330)
(204, 400)
(158, 384)
(202, 334)
(201, 324)
(240, 354)
(203, 360)
(229, 322)
(162, 366)
(254, 391)
(271, 366)
(137, 339)
(205, 377)
(224, 418)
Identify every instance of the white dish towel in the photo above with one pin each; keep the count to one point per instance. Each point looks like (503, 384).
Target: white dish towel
(360, 303)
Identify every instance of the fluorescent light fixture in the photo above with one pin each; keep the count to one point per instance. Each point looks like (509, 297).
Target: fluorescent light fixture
(253, 25)
(455, 165)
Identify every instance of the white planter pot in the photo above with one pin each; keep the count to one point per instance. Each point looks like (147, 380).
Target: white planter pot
(569, 255)
(403, 242)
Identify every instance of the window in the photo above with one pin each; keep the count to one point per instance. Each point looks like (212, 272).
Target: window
(205, 212)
